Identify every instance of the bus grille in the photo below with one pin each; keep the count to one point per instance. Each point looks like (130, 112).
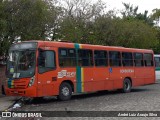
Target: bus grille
(19, 85)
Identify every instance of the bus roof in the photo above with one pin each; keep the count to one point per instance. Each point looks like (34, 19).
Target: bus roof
(70, 44)
(156, 55)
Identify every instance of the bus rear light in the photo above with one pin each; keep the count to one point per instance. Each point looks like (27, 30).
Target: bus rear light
(31, 82)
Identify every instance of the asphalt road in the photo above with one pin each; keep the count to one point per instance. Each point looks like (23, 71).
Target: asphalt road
(143, 98)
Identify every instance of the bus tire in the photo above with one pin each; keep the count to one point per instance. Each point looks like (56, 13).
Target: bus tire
(126, 85)
(3, 91)
(65, 91)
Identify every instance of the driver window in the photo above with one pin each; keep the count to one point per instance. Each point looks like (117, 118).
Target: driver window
(46, 61)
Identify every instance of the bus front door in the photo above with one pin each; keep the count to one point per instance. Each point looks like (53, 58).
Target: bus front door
(47, 72)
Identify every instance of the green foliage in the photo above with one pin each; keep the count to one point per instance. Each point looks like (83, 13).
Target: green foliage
(156, 14)
(136, 34)
(27, 19)
(3, 30)
(24, 20)
(130, 11)
(71, 29)
(126, 33)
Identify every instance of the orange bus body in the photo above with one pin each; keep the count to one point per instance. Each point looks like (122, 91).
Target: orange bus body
(82, 79)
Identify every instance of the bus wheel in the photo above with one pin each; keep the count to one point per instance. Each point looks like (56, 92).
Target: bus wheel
(65, 91)
(3, 91)
(126, 85)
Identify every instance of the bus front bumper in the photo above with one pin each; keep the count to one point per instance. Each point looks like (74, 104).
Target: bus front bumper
(28, 92)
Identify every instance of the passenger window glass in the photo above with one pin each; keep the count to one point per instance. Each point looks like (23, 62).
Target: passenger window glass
(157, 61)
(127, 59)
(148, 59)
(46, 61)
(138, 59)
(63, 52)
(100, 58)
(67, 57)
(114, 58)
(49, 59)
(85, 58)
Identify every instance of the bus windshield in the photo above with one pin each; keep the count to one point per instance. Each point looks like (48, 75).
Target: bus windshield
(21, 63)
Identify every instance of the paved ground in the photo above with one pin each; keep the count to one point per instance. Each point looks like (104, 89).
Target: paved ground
(144, 98)
(141, 98)
(7, 101)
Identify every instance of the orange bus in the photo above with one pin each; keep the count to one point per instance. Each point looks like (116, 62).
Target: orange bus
(45, 68)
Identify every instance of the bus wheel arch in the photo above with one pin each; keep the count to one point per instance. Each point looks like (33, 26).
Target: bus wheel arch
(127, 85)
(65, 90)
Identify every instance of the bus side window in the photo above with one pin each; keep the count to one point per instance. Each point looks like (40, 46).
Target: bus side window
(85, 57)
(127, 59)
(148, 59)
(157, 61)
(138, 59)
(100, 58)
(46, 61)
(114, 58)
(67, 57)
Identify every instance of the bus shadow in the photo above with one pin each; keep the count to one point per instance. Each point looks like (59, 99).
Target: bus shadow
(47, 100)
(43, 100)
(106, 93)
(140, 90)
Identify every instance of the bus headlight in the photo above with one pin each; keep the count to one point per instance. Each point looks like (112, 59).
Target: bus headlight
(31, 82)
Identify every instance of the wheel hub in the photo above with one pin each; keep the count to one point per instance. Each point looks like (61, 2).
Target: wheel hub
(65, 91)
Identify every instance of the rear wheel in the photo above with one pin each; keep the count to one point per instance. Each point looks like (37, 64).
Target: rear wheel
(126, 85)
(65, 91)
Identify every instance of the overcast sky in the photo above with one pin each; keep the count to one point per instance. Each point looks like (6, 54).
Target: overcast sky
(143, 4)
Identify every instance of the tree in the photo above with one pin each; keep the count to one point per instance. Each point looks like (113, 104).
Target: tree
(136, 34)
(25, 20)
(3, 30)
(130, 12)
(79, 15)
(155, 16)
(126, 33)
(28, 19)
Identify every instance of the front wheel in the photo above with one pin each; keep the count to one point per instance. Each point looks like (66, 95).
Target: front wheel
(126, 85)
(65, 91)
